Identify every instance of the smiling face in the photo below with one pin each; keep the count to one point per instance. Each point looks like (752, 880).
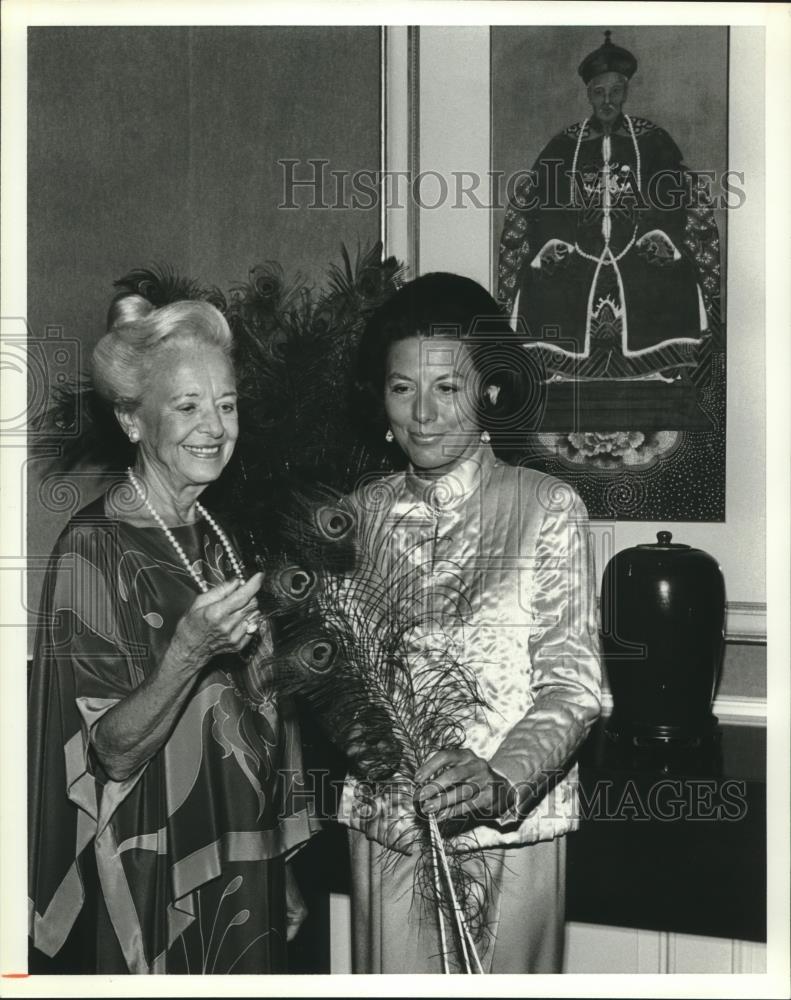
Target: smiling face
(607, 93)
(187, 421)
(431, 390)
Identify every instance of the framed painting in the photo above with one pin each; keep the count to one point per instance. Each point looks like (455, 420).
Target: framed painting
(610, 152)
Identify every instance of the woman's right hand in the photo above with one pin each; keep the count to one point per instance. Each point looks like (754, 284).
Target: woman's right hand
(219, 621)
(132, 731)
(386, 816)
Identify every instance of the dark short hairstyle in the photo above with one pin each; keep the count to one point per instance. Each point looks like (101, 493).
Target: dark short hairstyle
(441, 304)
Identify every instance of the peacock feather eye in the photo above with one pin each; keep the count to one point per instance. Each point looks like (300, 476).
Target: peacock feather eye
(334, 523)
(294, 583)
(317, 655)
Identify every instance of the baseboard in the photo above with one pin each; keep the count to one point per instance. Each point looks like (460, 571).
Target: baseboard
(747, 711)
(735, 711)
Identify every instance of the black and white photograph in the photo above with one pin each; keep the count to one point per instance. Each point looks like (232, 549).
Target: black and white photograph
(395, 499)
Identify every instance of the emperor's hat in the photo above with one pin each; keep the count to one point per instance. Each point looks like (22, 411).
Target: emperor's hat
(608, 58)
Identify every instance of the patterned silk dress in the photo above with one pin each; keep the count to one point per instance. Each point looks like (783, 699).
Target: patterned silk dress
(181, 866)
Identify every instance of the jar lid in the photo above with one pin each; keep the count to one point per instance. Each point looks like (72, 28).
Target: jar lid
(663, 541)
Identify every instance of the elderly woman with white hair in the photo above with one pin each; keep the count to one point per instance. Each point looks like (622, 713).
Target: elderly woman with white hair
(161, 765)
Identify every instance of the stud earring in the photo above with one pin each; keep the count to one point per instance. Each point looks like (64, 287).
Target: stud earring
(485, 437)
(389, 436)
(133, 436)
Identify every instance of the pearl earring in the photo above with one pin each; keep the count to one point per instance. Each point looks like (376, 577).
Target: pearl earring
(389, 436)
(485, 437)
(133, 436)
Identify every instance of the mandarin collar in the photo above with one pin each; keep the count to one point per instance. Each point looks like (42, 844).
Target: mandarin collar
(455, 487)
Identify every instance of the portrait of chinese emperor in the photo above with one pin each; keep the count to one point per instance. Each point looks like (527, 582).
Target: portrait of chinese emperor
(609, 266)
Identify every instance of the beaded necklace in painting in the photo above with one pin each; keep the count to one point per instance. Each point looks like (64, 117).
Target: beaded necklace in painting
(190, 567)
(607, 255)
(606, 258)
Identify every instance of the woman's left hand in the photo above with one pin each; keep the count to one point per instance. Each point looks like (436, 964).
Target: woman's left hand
(458, 783)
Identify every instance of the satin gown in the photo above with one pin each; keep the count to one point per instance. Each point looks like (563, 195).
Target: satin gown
(519, 543)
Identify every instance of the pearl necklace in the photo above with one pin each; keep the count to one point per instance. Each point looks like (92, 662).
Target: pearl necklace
(190, 567)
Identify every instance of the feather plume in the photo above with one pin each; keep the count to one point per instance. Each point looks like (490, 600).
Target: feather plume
(79, 429)
(295, 358)
(160, 284)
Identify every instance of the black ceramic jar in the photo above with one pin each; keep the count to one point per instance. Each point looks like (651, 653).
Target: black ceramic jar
(663, 634)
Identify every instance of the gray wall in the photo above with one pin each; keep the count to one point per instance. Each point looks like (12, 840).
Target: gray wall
(161, 144)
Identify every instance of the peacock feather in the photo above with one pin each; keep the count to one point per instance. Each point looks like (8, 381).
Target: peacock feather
(161, 285)
(372, 647)
(295, 356)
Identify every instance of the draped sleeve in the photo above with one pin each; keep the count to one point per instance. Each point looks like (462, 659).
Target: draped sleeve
(224, 793)
(86, 659)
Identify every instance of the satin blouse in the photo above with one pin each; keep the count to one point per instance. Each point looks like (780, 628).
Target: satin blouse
(515, 545)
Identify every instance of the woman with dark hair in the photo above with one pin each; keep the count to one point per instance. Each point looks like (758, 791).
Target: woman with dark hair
(161, 763)
(440, 373)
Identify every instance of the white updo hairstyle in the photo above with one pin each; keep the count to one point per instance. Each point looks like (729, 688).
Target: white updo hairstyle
(138, 333)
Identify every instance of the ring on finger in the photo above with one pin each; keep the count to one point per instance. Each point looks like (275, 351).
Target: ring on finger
(251, 624)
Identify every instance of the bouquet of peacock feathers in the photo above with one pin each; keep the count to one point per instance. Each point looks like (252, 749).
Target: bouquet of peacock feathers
(365, 641)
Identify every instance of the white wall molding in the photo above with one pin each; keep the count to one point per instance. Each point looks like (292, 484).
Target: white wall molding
(340, 933)
(398, 142)
(596, 948)
(748, 956)
(651, 952)
(744, 711)
(745, 622)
